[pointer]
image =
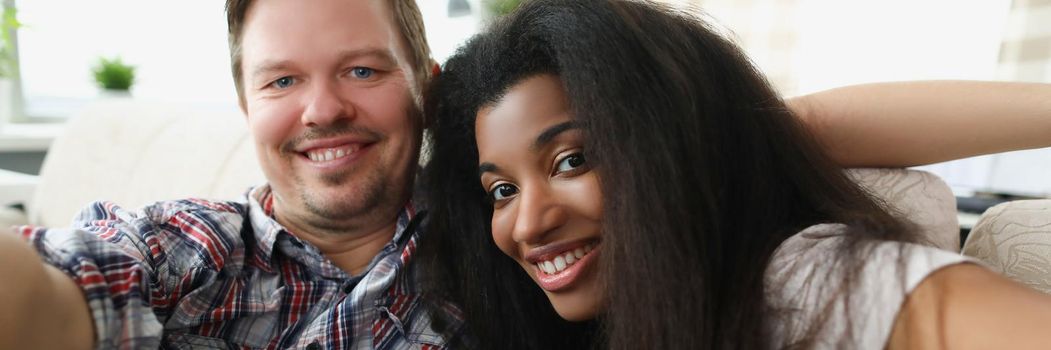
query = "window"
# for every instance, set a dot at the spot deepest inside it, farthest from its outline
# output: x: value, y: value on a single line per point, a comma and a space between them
x: 179, y: 50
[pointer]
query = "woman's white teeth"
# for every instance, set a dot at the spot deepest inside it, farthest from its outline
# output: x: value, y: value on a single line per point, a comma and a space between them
x: 548, y: 267
x: 560, y: 263
x: 564, y: 261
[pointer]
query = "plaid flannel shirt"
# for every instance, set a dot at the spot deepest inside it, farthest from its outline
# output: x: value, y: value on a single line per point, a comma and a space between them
x: 202, y: 274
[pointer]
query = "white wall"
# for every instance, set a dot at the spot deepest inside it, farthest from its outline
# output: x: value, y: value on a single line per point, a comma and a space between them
x: 854, y: 41
x: 181, y: 52
x: 179, y: 49
x: 821, y: 44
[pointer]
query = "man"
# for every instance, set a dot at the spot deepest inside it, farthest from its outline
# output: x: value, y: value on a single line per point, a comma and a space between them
x: 317, y: 257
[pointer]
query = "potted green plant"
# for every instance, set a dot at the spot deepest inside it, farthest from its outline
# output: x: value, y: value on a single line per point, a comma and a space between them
x: 113, y: 75
x: 499, y: 8
x: 8, y: 24
x: 8, y: 61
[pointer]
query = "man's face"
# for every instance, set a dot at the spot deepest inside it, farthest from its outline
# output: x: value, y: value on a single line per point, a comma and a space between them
x: 328, y: 102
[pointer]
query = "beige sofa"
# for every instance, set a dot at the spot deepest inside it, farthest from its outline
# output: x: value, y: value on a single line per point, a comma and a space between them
x: 134, y: 153
x: 1014, y: 239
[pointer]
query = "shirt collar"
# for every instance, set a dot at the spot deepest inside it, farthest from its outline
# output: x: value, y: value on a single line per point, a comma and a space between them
x: 264, y: 227
x: 268, y: 231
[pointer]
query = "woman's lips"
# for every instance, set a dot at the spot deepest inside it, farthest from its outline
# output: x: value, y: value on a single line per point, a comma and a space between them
x: 564, y: 269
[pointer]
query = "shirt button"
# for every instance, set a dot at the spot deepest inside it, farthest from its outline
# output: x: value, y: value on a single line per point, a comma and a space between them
x: 314, y: 346
x: 348, y: 288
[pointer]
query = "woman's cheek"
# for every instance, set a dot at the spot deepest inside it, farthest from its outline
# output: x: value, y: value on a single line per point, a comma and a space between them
x: 503, y: 222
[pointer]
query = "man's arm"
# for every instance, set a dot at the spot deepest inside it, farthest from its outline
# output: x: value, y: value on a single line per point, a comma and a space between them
x: 42, y: 308
x: 913, y: 123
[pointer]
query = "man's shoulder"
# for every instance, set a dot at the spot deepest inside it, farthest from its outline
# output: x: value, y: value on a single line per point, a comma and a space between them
x: 204, y: 229
x: 198, y: 207
x: 162, y: 212
x: 199, y: 221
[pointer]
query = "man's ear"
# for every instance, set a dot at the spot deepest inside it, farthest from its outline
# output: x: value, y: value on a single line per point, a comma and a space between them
x: 436, y: 69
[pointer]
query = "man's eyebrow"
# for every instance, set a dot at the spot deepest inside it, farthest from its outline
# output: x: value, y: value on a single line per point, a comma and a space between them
x: 270, y: 66
x: 377, y: 53
x: 347, y: 55
x: 486, y: 168
x: 552, y: 132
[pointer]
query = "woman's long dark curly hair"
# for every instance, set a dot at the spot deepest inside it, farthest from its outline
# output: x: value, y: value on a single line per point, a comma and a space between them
x: 704, y: 173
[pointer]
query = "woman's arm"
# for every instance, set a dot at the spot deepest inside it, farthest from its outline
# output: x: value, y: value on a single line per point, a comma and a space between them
x: 968, y: 307
x: 42, y: 308
x: 912, y: 123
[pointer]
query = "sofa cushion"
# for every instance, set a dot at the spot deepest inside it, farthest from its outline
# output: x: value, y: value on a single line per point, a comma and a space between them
x: 134, y: 153
x: 919, y: 197
x: 1014, y: 239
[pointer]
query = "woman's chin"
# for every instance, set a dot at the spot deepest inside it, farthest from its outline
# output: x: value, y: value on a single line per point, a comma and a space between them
x: 577, y: 304
x: 577, y: 313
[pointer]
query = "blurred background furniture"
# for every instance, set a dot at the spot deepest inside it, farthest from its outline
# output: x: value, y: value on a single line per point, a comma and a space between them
x: 134, y: 153
x: 1014, y: 239
x: 920, y: 197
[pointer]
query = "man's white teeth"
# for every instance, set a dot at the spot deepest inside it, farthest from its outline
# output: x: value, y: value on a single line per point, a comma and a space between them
x: 330, y: 153
x: 564, y: 261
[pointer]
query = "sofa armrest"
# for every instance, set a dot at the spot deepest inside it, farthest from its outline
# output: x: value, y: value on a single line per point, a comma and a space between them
x: 918, y: 196
x: 1014, y: 239
x: 133, y: 153
x: 10, y: 216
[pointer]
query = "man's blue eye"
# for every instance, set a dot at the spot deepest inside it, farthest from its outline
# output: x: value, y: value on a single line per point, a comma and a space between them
x: 362, y: 72
x: 283, y: 82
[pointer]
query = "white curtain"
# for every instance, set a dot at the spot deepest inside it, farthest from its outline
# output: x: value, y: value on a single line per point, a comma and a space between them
x: 811, y: 45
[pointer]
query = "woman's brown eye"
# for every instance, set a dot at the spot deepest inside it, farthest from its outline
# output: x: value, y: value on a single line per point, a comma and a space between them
x: 570, y: 162
x: 503, y: 191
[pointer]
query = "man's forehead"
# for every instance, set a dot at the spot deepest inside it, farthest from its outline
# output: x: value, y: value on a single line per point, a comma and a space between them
x: 278, y: 30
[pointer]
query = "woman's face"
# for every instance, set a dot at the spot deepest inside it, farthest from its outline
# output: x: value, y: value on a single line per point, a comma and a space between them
x: 547, y: 206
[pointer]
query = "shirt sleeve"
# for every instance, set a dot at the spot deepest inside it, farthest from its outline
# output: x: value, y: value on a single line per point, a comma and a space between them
x: 806, y: 284
x: 119, y: 260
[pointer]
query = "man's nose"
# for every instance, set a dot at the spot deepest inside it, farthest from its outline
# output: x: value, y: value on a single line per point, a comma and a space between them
x: 325, y: 104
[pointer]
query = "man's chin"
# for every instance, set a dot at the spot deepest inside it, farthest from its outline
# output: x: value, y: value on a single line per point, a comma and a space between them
x: 347, y: 200
x: 335, y: 179
x: 340, y: 207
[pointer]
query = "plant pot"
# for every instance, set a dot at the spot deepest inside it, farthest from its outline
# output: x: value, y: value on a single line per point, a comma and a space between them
x: 114, y: 94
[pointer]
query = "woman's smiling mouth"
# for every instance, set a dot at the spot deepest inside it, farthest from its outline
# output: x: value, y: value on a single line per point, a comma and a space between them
x: 558, y: 270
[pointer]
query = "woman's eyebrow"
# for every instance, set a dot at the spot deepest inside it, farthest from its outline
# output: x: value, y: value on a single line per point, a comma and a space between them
x: 545, y: 137
x: 486, y: 167
x: 549, y: 134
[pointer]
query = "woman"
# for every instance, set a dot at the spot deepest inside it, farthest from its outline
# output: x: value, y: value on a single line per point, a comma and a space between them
x: 637, y: 168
